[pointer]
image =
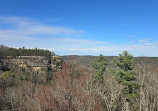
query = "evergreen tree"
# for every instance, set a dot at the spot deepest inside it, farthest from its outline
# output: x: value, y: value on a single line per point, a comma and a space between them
x: 99, y: 65
x: 13, y: 52
x: 126, y: 74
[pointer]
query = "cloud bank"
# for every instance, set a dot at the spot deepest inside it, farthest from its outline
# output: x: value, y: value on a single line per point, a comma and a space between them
x: 20, y: 31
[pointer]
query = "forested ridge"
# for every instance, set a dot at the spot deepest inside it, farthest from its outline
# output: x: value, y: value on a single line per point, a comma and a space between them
x: 13, y: 52
x: 120, y: 83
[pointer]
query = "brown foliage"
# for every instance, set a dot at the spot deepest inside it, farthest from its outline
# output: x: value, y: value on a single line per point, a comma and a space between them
x: 148, y: 79
x: 73, y: 85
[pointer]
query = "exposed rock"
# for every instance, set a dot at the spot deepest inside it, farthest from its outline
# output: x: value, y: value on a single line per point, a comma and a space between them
x: 36, y: 63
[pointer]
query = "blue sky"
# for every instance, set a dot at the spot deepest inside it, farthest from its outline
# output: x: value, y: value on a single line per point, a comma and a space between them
x: 81, y: 27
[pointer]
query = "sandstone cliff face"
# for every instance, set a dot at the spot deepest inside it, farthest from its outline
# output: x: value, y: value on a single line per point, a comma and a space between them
x: 38, y: 64
x: 36, y: 69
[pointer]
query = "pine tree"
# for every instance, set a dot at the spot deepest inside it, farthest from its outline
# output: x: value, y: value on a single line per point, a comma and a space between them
x: 126, y: 75
x: 99, y: 65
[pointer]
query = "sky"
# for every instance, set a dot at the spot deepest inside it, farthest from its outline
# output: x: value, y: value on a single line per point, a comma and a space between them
x: 81, y: 27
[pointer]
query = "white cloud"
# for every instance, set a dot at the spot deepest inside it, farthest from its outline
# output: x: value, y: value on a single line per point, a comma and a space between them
x: 136, y: 50
x: 132, y: 36
x: 148, y: 44
x: 144, y: 40
x: 69, y: 46
x: 26, y: 27
x: 19, y: 32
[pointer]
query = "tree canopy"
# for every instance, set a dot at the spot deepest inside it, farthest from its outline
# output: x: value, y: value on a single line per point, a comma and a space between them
x: 126, y: 74
x: 12, y: 52
x: 99, y: 65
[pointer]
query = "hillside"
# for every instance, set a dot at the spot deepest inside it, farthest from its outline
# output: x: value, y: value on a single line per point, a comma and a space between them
x: 38, y: 80
x: 41, y: 63
x: 87, y: 60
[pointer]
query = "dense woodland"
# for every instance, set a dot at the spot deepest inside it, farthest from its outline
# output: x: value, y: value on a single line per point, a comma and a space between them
x: 101, y: 84
x: 13, y: 52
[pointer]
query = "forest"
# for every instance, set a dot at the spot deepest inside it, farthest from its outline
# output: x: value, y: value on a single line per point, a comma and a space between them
x: 13, y: 52
x: 78, y: 55
x: 121, y: 83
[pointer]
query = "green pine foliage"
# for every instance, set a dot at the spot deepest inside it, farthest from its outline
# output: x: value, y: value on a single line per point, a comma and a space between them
x: 13, y: 52
x: 126, y: 74
x: 5, y: 75
x: 99, y: 65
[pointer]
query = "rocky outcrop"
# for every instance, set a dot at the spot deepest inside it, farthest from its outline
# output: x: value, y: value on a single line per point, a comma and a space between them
x: 34, y: 63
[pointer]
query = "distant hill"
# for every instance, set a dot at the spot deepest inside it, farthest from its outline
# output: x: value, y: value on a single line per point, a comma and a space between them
x: 87, y: 60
